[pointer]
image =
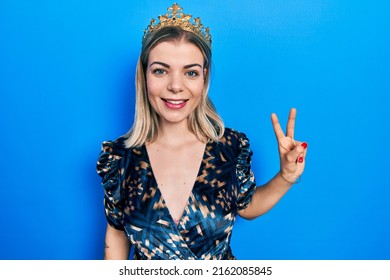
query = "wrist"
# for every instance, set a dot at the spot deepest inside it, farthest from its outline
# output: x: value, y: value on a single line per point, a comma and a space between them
x: 287, y: 179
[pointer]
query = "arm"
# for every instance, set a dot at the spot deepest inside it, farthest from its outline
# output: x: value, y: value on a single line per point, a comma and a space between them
x: 292, y: 162
x: 265, y: 197
x: 117, y: 246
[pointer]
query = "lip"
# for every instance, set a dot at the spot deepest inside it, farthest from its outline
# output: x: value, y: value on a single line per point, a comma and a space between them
x: 175, y: 103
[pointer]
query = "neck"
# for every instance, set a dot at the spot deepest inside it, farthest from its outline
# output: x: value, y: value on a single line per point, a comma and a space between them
x: 174, y: 133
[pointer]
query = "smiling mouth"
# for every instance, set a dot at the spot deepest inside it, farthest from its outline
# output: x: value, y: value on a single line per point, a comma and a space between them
x: 175, y: 103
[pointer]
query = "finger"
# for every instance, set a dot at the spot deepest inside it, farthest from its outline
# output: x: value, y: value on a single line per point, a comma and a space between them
x: 304, y: 155
x: 277, y: 128
x: 291, y: 123
x: 298, y: 152
x: 302, y: 158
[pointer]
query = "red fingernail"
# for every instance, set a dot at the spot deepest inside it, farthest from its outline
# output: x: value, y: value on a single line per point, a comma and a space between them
x: 300, y: 159
x: 304, y: 145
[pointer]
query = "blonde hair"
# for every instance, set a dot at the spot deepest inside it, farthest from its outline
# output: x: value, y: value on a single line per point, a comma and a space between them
x: 204, y: 121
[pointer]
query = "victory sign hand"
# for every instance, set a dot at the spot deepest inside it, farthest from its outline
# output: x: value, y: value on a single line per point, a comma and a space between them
x: 292, y: 153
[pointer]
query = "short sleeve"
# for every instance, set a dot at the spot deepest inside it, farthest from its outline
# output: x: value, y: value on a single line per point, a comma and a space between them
x: 108, y: 168
x: 245, y: 176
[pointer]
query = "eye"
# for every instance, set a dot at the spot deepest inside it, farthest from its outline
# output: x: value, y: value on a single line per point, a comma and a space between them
x: 159, y: 71
x: 192, y: 74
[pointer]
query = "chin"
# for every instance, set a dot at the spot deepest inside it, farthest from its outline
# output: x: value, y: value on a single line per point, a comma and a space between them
x: 175, y: 120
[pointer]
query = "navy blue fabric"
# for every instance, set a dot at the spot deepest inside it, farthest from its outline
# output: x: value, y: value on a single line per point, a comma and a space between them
x: 133, y: 201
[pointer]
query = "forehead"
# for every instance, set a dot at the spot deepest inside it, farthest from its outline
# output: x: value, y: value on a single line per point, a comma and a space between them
x: 176, y: 53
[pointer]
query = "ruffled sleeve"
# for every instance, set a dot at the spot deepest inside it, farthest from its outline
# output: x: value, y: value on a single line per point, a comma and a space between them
x: 245, y: 176
x: 108, y: 169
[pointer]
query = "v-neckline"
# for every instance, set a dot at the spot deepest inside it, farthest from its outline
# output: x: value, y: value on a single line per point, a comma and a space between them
x: 191, y: 193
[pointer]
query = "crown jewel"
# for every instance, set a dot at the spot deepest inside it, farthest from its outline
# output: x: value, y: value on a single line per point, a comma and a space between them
x: 176, y: 17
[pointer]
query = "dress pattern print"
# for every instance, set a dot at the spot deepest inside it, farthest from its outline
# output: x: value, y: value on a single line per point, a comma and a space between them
x: 133, y: 201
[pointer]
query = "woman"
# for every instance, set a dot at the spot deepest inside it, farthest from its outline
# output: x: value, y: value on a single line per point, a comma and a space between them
x: 176, y: 181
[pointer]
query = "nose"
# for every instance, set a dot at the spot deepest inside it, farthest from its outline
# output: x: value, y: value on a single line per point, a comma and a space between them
x: 175, y: 84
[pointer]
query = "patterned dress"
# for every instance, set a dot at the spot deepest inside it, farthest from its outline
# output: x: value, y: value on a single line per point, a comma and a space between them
x: 133, y: 201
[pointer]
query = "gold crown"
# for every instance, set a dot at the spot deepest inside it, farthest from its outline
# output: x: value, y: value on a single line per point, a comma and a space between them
x: 176, y: 17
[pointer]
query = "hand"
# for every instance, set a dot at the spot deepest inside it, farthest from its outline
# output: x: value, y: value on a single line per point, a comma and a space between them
x: 292, y: 153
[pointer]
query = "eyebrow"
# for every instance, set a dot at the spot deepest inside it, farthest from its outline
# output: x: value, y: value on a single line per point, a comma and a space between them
x: 167, y: 65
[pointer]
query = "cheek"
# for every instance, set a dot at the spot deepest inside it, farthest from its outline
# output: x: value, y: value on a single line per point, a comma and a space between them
x: 199, y: 90
x: 152, y: 87
x: 151, y: 93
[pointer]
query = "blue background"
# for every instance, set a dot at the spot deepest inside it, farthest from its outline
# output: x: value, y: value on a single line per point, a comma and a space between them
x: 67, y: 84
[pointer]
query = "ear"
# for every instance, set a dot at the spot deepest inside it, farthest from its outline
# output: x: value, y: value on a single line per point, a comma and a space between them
x: 204, y: 73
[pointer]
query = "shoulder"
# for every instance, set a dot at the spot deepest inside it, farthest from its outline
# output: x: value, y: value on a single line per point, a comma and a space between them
x: 231, y: 133
x: 116, y: 147
x: 234, y: 138
x: 234, y: 142
x: 110, y: 155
